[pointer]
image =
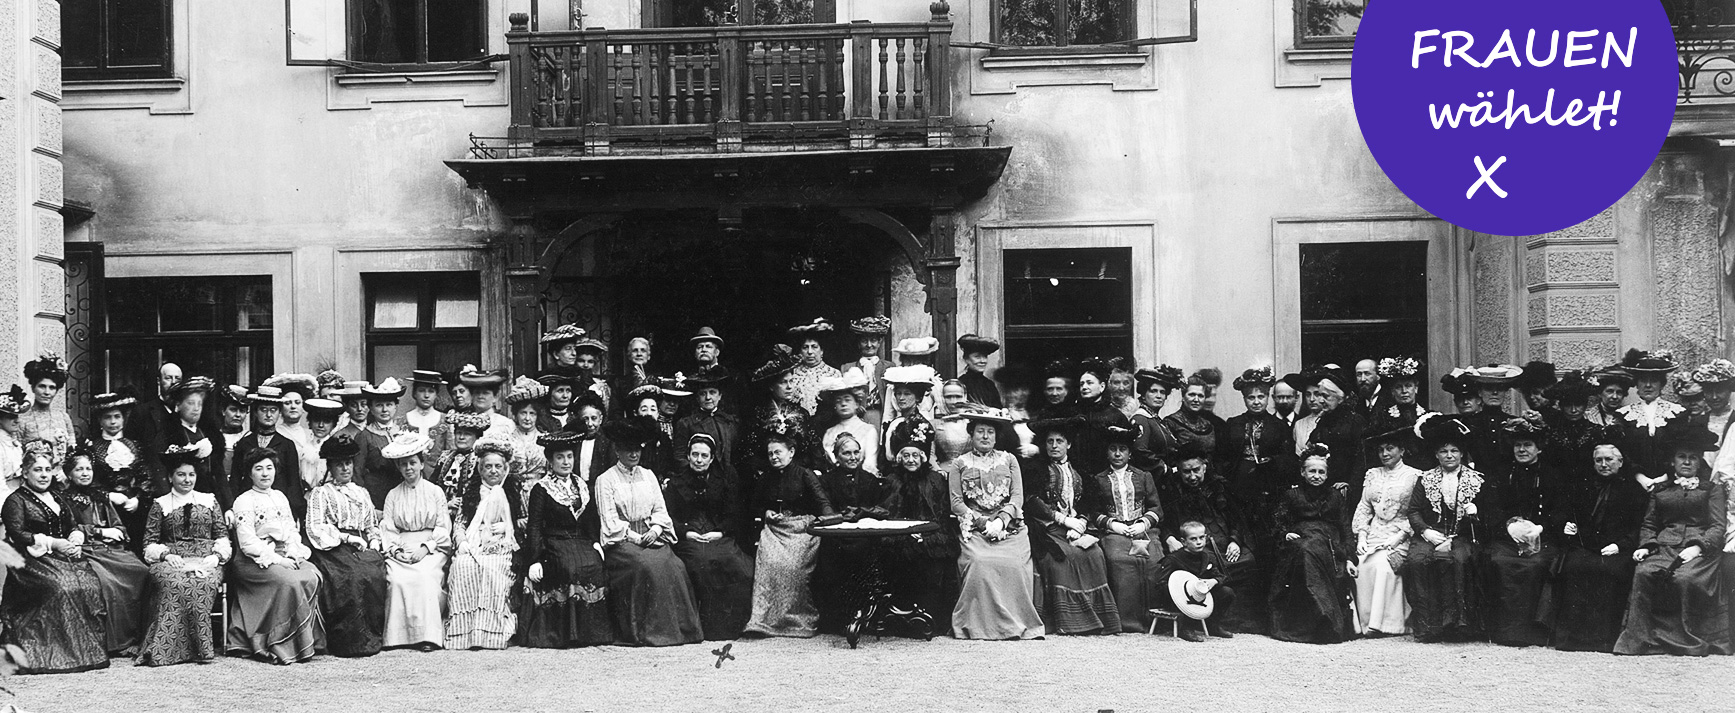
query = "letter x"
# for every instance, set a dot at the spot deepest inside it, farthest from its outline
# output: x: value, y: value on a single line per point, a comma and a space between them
x: 1487, y: 177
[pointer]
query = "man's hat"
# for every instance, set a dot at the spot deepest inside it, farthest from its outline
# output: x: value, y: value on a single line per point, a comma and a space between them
x: 427, y: 377
x: 707, y: 334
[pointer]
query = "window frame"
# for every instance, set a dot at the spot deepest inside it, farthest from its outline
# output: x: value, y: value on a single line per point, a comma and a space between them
x: 425, y: 337
x: 1015, y: 331
x: 103, y: 72
x: 1062, y: 15
x: 352, y: 40
x: 228, y: 336
x: 1306, y: 41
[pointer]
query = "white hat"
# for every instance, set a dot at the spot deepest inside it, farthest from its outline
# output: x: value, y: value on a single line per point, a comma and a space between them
x: 917, y: 346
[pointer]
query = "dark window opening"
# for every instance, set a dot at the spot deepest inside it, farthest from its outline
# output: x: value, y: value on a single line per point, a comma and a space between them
x: 714, y: 13
x: 1363, y: 301
x: 1063, y: 23
x: 1327, y: 23
x: 422, y: 320
x: 1068, y: 303
x: 219, y: 327
x: 115, y: 39
x: 417, y: 32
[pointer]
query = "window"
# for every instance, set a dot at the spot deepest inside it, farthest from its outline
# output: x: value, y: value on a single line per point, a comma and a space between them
x: 423, y: 320
x: 114, y: 39
x: 713, y: 13
x: 1072, y: 303
x: 214, y: 326
x: 1363, y: 301
x: 1062, y: 23
x: 1327, y: 23
x: 417, y: 32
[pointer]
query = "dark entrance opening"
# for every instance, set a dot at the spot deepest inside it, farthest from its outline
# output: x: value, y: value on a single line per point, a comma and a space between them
x: 1364, y: 301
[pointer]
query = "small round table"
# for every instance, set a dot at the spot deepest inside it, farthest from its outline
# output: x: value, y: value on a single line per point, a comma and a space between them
x: 874, y: 608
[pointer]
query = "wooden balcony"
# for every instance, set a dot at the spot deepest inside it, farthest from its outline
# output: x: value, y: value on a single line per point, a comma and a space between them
x: 732, y: 89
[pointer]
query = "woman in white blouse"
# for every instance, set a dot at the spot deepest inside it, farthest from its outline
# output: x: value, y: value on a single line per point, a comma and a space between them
x: 650, y: 598
x: 481, y: 580
x: 273, y: 590
x: 344, y: 530
x: 416, y: 536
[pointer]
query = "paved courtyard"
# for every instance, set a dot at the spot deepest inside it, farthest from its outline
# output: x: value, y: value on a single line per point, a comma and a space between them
x: 1120, y: 673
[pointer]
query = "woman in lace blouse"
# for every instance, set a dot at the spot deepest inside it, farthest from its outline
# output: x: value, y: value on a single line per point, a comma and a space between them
x: 997, y: 577
x: 1382, y: 534
x: 273, y: 590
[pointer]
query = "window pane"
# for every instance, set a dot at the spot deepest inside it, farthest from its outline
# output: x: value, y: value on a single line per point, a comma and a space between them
x: 136, y: 36
x: 189, y: 306
x: 1330, y: 18
x: 386, y: 31
x: 455, y: 30
x: 1028, y: 22
x: 457, y: 302
x: 702, y: 13
x: 1038, y: 352
x: 395, y: 360
x: 1363, y: 301
x: 135, y: 367
x: 253, y: 305
x: 131, y: 305
x: 449, y: 356
x: 81, y: 33
x: 782, y: 12
x: 1096, y: 22
x: 1084, y: 286
x: 395, y: 305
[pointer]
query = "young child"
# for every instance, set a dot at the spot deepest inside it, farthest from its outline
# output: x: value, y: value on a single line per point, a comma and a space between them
x: 1196, y: 559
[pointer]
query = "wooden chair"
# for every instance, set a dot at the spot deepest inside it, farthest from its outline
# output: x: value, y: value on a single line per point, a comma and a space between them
x: 1174, y: 619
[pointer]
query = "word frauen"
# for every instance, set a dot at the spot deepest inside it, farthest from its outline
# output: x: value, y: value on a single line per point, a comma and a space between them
x: 1457, y: 43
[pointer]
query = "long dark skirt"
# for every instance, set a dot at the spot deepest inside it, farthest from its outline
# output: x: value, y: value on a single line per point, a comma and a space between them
x: 1134, y: 579
x: 122, y: 576
x: 181, y: 601
x: 1444, y: 591
x: 1590, y: 598
x: 274, y: 611
x: 1309, y: 600
x: 569, y: 607
x: 1516, y: 585
x: 53, y: 610
x: 838, y: 563
x: 722, y: 577
x: 928, y: 582
x: 650, y: 598
x: 353, y: 599
x: 1680, y: 613
x: 1073, y: 585
x: 1244, y: 610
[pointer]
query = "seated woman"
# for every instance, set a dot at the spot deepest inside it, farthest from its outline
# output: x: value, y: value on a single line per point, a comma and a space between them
x: 1310, y: 595
x: 415, y: 535
x: 704, y: 505
x: 1597, y: 523
x: 1069, y: 561
x: 788, y: 499
x: 649, y: 596
x: 273, y: 591
x: 118, y: 570
x: 344, y: 530
x: 486, y: 538
x: 1381, y: 524
x: 565, y: 594
x: 1676, y: 606
x: 186, y: 544
x: 1192, y: 492
x: 1518, y: 559
x: 1126, y: 508
x: 122, y: 473
x: 1447, y: 510
x: 840, y: 400
x: 996, y: 597
x: 855, y: 493
x: 922, y: 571
x: 52, y: 607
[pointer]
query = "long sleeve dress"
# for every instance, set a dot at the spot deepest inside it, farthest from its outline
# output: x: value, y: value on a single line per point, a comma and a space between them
x: 855, y: 493
x: 1211, y: 502
x: 485, y: 539
x: 1518, y: 575
x: 1677, y: 607
x: 1444, y: 586
x: 52, y: 607
x: 1129, y: 496
x: 191, y: 528
x: 354, y: 596
x: 922, y: 571
x: 273, y: 591
x: 782, y: 594
x: 1382, y: 533
x: 996, y: 589
x: 120, y: 572
x: 1590, y: 588
x: 1310, y: 592
x: 569, y: 607
x: 121, y: 468
x: 415, y: 518
x: 708, y: 503
x: 1074, y: 587
x: 650, y: 598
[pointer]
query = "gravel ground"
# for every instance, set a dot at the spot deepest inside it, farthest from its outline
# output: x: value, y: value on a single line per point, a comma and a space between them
x: 1120, y: 673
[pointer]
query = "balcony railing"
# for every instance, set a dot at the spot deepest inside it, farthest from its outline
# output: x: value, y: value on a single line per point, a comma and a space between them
x: 733, y: 88
x: 1705, y: 40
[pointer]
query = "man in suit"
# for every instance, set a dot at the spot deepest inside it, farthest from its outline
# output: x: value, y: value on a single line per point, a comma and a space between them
x: 148, y: 416
x: 1371, y: 396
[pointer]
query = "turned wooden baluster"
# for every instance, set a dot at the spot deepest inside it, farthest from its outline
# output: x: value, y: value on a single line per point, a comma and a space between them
x: 882, y: 88
x: 919, y: 75
x: 900, y: 73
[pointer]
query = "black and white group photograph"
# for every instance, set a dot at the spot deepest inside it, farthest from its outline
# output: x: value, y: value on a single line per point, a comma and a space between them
x: 859, y: 355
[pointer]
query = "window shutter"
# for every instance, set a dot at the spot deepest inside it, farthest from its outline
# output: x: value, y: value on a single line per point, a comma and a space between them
x: 315, y: 31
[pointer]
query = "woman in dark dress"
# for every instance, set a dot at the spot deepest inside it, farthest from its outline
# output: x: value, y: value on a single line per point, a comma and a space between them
x: 1155, y: 443
x: 123, y: 474
x: 1651, y: 425
x: 1091, y: 451
x: 52, y: 607
x: 565, y: 597
x: 187, y: 428
x: 1519, y: 560
x: 187, y: 544
x: 1126, y: 509
x: 1192, y: 425
x: 121, y: 573
x: 922, y: 571
x: 1311, y: 583
x: 788, y: 500
x: 1448, y: 507
x: 1071, y: 571
x: 855, y: 493
x: 650, y: 598
x: 1597, y: 521
x: 705, y: 505
x: 343, y: 530
x: 1676, y: 606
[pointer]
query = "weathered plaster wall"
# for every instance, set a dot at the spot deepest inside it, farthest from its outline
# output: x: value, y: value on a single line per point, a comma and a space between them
x: 32, y: 294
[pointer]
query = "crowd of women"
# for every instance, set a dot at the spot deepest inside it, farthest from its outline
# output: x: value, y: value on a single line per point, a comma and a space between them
x: 312, y: 514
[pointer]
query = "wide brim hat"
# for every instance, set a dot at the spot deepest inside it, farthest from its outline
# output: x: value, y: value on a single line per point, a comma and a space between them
x: 526, y: 390
x: 560, y: 441
x: 177, y: 455
x: 1182, y: 584
x: 497, y: 446
x: 1572, y: 387
x: 1334, y: 377
x: 331, y: 378
x: 592, y: 344
x: 706, y: 334
x: 1119, y: 435
x: 983, y: 414
x: 915, y: 433
x: 643, y: 391
x: 1169, y: 377
x: 323, y: 408
x: 266, y: 395
x: 876, y: 326
x: 1259, y: 376
x: 1696, y: 440
x: 47, y: 366
x: 563, y: 376
x: 676, y: 386
x: 634, y: 432
x: 780, y: 362
x: 191, y: 385
x: 14, y: 401
x: 1715, y: 374
x: 1067, y: 426
x: 473, y: 378
x: 851, y: 380
x: 976, y: 344
x: 1495, y: 376
x: 118, y: 399
x: 406, y: 444
x: 1642, y: 362
x: 1536, y: 375
x: 388, y: 389
x: 1399, y: 369
x: 473, y: 422
x: 919, y: 376
x: 427, y: 377
x: 820, y: 328
x: 1016, y: 376
x: 1526, y: 429
x: 1402, y: 435
x: 713, y: 376
x: 917, y: 346
x: 1615, y: 375
x: 1437, y: 429
x: 233, y: 394
x: 303, y: 384
x: 1295, y: 380
x: 1458, y: 382
x: 352, y: 389
x: 339, y: 448
x: 560, y: 335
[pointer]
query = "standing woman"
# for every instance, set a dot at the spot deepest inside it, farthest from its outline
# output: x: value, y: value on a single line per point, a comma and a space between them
x: 46, y: 376
x: 996, y: 576
x: 1091, y: 451
x: 1057, y: 390
x: 705, y: 506
x: 565, y: 595
x: 1382, y: 535
x: 1069, y: 563
x: 1310, y: 594
x: 646, y: 403
x: 1448, y: 508
x: 1677, y: 606
x: 776, y: 414
x: 52, y: 607
x: 525, y: 402
x: 788, y: 497
x: 651, y: 600
x: 186, y: 429
x: 186, y: 544
x: 416, y: 536
x: 1155, y: 443
x: 344, y: 530
x: 106, y: 546
x: 11, y: 448
x: 1192, y: 424
x: 273, y: 590
x: 485, y: 536
x: 1126, y: 509
x: 808, y: 342
x: 951, y: 422
x: 842, y: 400
x: 908, y: 387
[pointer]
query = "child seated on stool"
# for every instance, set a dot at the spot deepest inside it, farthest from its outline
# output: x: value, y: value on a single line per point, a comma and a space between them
x: 1208, y: 567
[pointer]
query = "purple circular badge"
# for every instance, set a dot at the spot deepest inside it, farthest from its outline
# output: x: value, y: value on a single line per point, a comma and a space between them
x: 1515, y: 118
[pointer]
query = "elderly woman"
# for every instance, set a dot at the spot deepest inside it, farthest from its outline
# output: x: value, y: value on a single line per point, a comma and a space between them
x: 704, y: 499
x: 808, y: 342
x: 788, y: 499
x: 416, y: 537
x: 1075, y: 593
x: 344, y: 530
x: 1448, y: 508
x: 1310, y: 597
x: 186, y: 544
x: 1598, y: 525
x: 485, y: 537
x: 1125, y: 509
x: 46, y: 376
x: 650, y: 598
x: 53, y: 606
x: 638, y: 371
x: 1252, y: 451
x: 1057, y: 390
x: 1518, y: 560
x: 106, y: 546
x: 273, y: 590
x: 525, y: 402
x: 921, y: 571
x: 1677, y: 606
x: 996, y: 587
x: 855, y: 493
x: 1381, y: 524
x: 565, y: 594
x: 842, y: 399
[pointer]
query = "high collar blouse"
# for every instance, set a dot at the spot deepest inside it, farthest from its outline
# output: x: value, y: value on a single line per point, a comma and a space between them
x: 629, y: 500
x: 336, y: 511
